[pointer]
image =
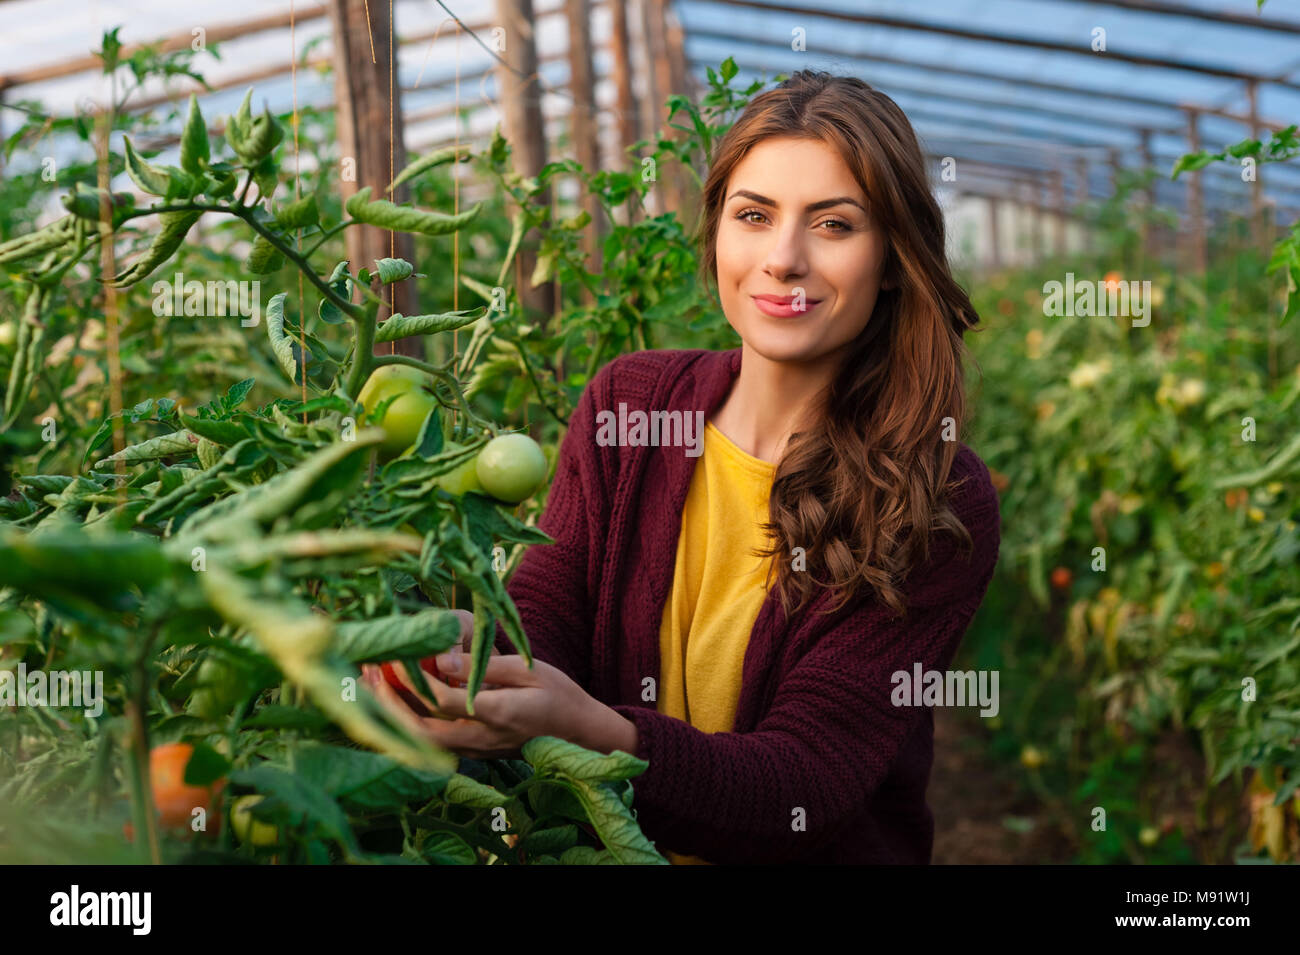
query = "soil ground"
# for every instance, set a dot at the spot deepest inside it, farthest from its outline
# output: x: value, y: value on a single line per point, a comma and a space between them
x: 973, y: 804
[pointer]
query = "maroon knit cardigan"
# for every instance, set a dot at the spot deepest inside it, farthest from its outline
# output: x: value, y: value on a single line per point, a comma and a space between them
x: 820, y: 766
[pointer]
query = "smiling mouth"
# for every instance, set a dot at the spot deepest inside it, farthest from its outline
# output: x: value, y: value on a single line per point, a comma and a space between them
x: 784, y: 307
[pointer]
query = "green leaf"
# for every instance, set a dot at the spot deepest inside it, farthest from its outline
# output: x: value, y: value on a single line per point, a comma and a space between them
x: 464, y: 791
x: 298, y: 214
x: 403, y: 326
x: 447, y: 848
x: 304, y: 804
x: 281, y: 344
x: 384, y: 214
x: 71, y: 560
x: 387, y: 638
x: 205, y: 766
x: 587, y: 855
x: 425, y: 163
x: 428, y: 443
x: 165, y: 445
x: 393, y: 270
x: 238, y: 124
x: 264, y: 257
x: 224, y: 433
x: 550, y: 841
x: 616, y: 826
x: 551, y: 754
x: 340, y: 281
x: 364, y: 781
x: 174, y: 226
x: 154, y: 180
x: 275, y: 717
x: 323, y: 480
x: 1194, y: 161
x: 194, y: 140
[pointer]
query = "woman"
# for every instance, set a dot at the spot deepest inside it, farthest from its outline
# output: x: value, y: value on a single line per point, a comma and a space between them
x: 736, y: 618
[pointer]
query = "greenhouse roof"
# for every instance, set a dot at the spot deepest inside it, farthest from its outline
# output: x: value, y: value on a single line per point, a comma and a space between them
x: 1020, y: 89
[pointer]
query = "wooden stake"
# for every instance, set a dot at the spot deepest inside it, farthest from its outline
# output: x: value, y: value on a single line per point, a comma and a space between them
x: 370, y: 134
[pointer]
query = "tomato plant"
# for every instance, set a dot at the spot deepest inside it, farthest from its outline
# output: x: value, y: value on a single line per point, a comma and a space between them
x: 230, y: 565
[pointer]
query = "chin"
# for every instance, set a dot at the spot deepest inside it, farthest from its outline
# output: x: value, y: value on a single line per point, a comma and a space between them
x: 785, y: 344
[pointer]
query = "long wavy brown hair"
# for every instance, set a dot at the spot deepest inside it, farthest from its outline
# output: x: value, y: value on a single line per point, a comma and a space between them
x: 865, y: 520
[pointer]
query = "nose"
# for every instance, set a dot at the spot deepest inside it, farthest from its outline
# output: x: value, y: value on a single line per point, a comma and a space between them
x: 785, y: 257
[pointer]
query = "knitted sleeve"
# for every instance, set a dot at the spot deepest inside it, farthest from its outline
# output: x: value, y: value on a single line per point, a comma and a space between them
x: 550, y: 585
x: 830, y: 736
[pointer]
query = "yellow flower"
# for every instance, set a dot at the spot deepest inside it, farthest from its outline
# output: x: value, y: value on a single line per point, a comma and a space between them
x: 1130, y: 503
x: 1273, y: 487
x: 1089, y: 373
x: 1045, y: 410
x: 1191, y: 391
x: 1034, y: 343
x: 1256, y: 514
x: 1157, y: 296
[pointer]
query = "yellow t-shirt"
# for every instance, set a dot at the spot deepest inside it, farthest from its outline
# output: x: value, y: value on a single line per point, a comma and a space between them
x: 717, y: 591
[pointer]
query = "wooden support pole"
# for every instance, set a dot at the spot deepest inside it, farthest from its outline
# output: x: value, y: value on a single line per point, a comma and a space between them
x: 659, y: 81
x: 1030, y: 203
x: 628, y: 110
x: 370, y: 140
x: 680, y: 74
x: 995, y: 235
x: 1058, y: 203
x: 584, y: 129
x: 1262, y: 239
x: 1196, y: 199
x: 1116, y: 168
x: 521, y: 95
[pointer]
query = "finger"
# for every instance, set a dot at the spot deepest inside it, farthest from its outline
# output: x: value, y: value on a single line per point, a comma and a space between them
x: 501, y: 670
x: 468, y: 737
x: 398, y: 673
x: 399, y: 708
x: 466, y: 627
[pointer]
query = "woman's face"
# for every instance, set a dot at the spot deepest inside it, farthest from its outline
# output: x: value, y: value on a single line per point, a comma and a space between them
x: 771, y: 243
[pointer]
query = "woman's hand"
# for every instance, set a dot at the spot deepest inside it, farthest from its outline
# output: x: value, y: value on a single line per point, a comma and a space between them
x: 542, y: 701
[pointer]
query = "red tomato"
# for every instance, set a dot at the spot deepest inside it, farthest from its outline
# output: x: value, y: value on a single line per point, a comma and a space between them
x: 429, y: 666
x: 174, y: 800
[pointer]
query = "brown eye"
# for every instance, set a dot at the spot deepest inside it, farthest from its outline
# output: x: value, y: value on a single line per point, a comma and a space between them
x: 743, y: 216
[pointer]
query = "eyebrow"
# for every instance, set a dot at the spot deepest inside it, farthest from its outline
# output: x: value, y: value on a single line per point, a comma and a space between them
x: 811, y: 207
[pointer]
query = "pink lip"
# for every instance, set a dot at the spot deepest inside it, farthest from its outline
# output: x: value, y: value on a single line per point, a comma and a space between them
x: 782, y: 306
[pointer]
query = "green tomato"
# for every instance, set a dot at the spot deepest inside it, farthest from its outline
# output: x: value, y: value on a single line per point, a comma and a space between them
x: 463, y: 479
x: 405, y: 416
x: 511, y: 467
x: 7, y: 334
x: 219, y: 688
x: 247, y: 828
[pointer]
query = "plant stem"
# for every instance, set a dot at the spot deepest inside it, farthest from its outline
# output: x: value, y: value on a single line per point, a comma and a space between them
x: 329, y: 234
x: 353, y: 311
x: 441, y: 374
